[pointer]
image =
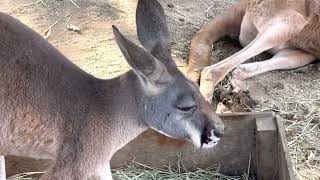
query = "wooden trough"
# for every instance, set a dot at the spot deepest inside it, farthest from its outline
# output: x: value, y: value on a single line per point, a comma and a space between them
x: 257, y: 138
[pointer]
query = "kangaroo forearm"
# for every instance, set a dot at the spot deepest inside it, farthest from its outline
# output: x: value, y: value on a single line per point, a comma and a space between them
x: 201, y: 46
x: 228, y: 23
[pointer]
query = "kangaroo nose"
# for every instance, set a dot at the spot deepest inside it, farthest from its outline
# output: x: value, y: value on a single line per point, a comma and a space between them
x: 219, y: 131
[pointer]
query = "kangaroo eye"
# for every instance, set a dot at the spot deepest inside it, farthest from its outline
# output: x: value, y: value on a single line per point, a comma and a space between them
x: 187, y: 108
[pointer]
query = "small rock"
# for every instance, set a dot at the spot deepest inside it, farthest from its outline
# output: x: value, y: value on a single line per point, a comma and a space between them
x: 170, y: 5
x: 72, y: 27
x: 181, y: 19
x: 266, y: 101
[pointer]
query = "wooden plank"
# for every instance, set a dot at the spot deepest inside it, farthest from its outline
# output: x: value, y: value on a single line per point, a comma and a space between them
x: 16, y: 165
x: 267, y: 148
x: 232, y: 153
x: 285, y: 165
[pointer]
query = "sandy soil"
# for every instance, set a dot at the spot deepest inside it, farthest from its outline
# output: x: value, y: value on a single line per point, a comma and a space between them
x: 293, y: 95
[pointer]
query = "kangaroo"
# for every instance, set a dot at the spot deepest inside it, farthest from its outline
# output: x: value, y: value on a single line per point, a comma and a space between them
x: 288, y: 29
x: 51, y: 109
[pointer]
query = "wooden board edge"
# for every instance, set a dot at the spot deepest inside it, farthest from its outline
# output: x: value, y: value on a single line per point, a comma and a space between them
x: 284, y: 147
x: 253, y: 114
x: 266, y: 148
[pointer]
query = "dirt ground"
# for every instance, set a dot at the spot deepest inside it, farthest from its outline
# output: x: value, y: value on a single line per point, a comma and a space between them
x: 293, y: 95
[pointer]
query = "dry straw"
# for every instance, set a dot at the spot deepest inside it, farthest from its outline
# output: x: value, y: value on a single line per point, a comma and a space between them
x: 139, y: 171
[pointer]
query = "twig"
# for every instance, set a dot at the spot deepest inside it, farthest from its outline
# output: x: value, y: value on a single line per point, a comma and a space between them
x: 74, y: 4
x: 125, y: 175
x: 306, y: 125
x: 207, y: 10
x: 65, y: 25
x: 48, y: 31
x: 248, y: 172
x: 43, y: 3
x: 311, y: 129
x: 23, y: 175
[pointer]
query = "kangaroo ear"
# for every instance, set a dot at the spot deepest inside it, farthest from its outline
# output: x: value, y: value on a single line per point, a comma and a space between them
x: 152, y: 73
x: 152, y: 30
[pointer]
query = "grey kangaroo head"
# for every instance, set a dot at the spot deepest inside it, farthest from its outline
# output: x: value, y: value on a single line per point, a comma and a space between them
x: 172, y: 104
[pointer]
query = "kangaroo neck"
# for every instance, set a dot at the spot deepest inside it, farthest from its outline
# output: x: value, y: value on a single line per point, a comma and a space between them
x: 126, y: 109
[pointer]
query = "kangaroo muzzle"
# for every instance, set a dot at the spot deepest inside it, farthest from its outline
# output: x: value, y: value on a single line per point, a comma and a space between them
x: 211, y: 136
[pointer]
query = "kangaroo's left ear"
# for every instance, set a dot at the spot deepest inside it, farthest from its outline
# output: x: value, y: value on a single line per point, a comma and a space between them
x: 152, y: 30
x: 152, y: 73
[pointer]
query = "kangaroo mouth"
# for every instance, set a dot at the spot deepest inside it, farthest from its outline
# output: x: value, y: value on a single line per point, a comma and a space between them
x: 208, y: 139
x: 205, y: 139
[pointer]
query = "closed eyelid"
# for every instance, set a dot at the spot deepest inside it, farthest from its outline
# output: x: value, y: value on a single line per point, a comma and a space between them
x: 184, y: 101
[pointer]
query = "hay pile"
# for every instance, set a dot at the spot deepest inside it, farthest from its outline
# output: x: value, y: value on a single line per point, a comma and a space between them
x: 138, y: 171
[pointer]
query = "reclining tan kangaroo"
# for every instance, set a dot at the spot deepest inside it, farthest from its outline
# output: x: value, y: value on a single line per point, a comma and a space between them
x: 289, y: 29
x: 50, y: 108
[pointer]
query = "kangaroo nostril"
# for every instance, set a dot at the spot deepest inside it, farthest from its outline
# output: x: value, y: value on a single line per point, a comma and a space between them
x: 219, y: 131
